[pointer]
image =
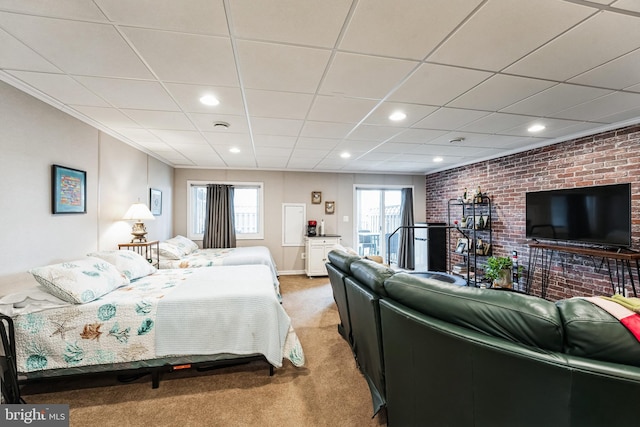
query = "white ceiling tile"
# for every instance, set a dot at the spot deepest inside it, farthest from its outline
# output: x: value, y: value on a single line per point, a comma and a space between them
x: 496, y: 122
x: 623, y: 116
x: 141, y: 136
x: 403, y: 28
x: 499, y: 92
x: 364, y: 76
x: 109, y: 117
x: 282, y: 105
x: 317, y: 143
x: 274, y: 141
x: 308, y: 153
x: 503, y: 31
x: 136, y: 94
x: 17, y: 56
x: 229, y: 139
x: 273, y: 152
x: 188, y: 97
x: 193, y: 16
x: 286, y: 127
x: 339, y: 109
x: 552, y: 126
x: 620, y: 73
x: 395, y: 148
x: 418, y: 136
x: 631, y: 5
x: 76, y: 47
x: 373, y: 133
x: 557, y: 98
x: 290, y: 21
x: 206, y: 123
x: 300, y: 163
x: 69, y: 9
x: 273, y: 162
x: 244, y: 161
x: 178, y: 137
x: 60, y: 87
x: 450, y: 118
x: 614, y: 103
x: 165, y: 120
x: 584, y: 47
x: 414, y: 112
x: 435, y: 84
x: 325, y: 129
x: 280, y: 67
x: 186, y: 58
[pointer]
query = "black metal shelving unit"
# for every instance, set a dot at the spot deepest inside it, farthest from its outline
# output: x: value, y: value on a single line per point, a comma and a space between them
x: 472, y: 221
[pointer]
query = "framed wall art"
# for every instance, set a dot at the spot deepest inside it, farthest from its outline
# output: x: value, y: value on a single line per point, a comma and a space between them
x: 329, y: 207
x: 316, y: 197
x: 155, y: 201
x: 68, y: 190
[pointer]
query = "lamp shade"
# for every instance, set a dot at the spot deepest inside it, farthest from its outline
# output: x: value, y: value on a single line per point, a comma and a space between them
x: 137, y: 212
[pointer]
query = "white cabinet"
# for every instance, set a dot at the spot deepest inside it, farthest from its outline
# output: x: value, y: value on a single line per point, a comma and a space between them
x: 317, y: 249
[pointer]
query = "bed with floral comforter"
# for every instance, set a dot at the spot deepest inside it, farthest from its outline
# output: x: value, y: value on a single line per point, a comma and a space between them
x: 223, y: 310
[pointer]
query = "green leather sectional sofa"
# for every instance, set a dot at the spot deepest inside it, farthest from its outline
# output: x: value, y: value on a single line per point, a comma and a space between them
x: 435, y: 353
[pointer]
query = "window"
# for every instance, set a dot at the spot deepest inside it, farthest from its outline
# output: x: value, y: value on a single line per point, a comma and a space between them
x: 247, y: 202
x: 377, y: 216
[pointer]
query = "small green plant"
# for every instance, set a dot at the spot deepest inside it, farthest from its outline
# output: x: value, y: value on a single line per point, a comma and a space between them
x: 495, y: 265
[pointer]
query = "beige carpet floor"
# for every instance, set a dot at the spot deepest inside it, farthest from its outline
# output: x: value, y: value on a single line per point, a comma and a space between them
x: 328, y: 391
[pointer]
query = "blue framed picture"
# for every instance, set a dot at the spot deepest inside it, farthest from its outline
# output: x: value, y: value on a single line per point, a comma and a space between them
x: 68, y: 190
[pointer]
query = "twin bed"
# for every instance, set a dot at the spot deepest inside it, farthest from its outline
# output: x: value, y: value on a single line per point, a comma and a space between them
x: 113, y: 311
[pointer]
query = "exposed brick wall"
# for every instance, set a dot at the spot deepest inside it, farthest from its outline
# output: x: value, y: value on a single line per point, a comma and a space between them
x: 606, y: 158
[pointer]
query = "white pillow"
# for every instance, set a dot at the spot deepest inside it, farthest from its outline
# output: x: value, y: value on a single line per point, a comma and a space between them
x: 130, y: 263
x: 169, y: 251
x: 80, y: 281
x: 185, y: 245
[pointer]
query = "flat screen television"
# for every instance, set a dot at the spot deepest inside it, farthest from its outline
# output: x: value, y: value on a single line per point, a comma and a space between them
x: 599, y: 215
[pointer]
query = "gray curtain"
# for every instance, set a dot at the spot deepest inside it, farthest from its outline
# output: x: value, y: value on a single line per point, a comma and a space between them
x: 406, y: 249
x: 219, y: 227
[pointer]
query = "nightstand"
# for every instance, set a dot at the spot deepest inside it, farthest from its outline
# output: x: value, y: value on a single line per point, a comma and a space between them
x: 145, y: 249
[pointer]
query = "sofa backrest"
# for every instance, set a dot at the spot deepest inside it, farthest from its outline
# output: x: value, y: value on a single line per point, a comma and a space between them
x: 512, y: 316
x: 371, y: 274
x: 593, y: 333
x: 342, y: 260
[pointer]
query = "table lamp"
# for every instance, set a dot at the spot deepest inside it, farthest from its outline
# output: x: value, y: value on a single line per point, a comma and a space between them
x: 138, y: 212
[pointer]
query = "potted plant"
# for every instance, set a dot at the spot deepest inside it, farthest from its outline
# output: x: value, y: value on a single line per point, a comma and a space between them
x: 498, y: 270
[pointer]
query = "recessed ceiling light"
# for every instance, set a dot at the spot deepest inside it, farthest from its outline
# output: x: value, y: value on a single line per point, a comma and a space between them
x: 536, y: 128
x: 345, y: 155
x: 438, y: 159
x: 209, y: 100
x: 234, y: 150
x: 397, y: 116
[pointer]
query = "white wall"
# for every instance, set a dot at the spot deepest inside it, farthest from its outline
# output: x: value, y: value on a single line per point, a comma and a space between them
x: 296, y: 187
x: 33, y: 136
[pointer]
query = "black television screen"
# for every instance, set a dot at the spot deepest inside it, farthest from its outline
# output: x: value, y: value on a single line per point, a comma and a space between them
x: 600, y: 215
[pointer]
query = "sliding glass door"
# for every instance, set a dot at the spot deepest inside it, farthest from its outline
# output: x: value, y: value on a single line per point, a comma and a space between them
x: 377, y: 216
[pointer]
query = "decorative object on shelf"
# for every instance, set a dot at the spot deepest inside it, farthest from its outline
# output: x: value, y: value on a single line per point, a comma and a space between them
x: 478, y: 196
x: 138, y: 212
x: 329, y: 207
x: 462, y: 247
x: 499, y: 271
x: 482, y: 247
x: 68, y: 190
x: 316, y: 197
x: 155, y: 201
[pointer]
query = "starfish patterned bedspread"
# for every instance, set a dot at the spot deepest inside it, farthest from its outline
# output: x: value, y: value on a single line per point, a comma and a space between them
x: 213, y: 310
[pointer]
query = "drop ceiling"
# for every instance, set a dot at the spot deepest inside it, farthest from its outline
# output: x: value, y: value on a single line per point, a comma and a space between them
x: 301, y: 83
